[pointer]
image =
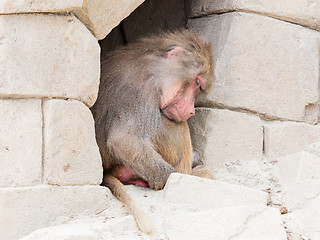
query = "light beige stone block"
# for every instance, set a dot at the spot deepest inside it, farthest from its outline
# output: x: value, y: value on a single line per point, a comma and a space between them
x: 263, y: 65
x: 48, y: 56
x: 111, y: 230
x: 200, y: 194
x: 298, y: 167
x: 100, y: 16
x: 71, y: 154
x: 33, y: 6
x: 283, y: 138
x: 303, y: 201
x: 222, y: 135
x: 25, y: 209
x: 20, y: 142
x: 304, y: 12
x: 241, y: 223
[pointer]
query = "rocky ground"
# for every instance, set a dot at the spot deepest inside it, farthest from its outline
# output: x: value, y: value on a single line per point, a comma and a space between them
x: 270, y: 199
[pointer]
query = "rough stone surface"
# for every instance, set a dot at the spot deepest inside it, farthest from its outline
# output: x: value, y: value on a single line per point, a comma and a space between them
x: 217, y: 194
x: 256, y: 173
x: 20, y: 142
x: 101, y: 16
x: 303, y: 201
x: 193, y: 210
x: 32, y: 6
x: 85, y: 231
x: 298, y: 167
x: 283, y: 138
x: 304, y: 12
x: 241, y: 223
x: 222, y: 135
x: 48, y: 56
x: 71, y: 154
x: 262, y: 64
x: 26, y: 209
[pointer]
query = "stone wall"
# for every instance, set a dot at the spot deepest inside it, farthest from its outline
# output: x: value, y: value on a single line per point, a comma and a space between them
x: 265, y: 66
x: 49, y: 76
x: 262, y: 116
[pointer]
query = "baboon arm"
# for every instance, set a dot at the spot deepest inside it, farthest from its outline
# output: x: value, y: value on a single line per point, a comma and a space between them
x: 119, y: 191
x: 141, y: 156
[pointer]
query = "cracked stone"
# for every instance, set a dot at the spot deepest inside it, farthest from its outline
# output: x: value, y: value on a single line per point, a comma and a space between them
x: 303, y: 201
x: 238, y: 223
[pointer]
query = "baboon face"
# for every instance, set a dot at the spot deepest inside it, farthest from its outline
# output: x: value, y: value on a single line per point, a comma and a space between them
x: 178, y: 102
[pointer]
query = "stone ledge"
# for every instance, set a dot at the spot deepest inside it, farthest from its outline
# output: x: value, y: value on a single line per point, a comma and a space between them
x: 303, y: 12
x: 100, y: 16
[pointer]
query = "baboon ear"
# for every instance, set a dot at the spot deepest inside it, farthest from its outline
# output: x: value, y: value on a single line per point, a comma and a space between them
x: 175, y: 52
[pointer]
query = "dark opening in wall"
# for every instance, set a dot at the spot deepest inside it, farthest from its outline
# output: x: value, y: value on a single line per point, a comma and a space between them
x: 150, y: 17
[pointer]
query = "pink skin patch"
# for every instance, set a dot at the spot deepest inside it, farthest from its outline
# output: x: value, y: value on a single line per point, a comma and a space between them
x: 178, y: 105
x: 128, y: 176
x: 174, y: 52
x: 139, y: 182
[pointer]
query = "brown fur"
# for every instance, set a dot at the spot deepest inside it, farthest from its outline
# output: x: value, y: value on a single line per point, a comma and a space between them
x: 131, y: 131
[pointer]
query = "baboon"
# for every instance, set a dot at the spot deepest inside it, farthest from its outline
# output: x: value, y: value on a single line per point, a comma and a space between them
x: 147, y: 92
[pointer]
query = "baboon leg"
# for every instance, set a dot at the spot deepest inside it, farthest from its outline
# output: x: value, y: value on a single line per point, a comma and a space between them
x: 120, y: 192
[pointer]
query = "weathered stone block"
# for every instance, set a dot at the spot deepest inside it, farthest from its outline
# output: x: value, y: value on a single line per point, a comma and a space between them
x: 48, y: 56
x: 303, y: 201
x: 190, y: 191
x: 89, y: 231
x: 261, y: 64
x: 283, y: 138
x: 33, y: 6
x: 20, y: 142
x: 100, y: 16
x: 298, y: 167
x: 304, y: 12
x: 222, y: 135
x: 71, y: 154
x: 25, y: 209
x: 241, y: 223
